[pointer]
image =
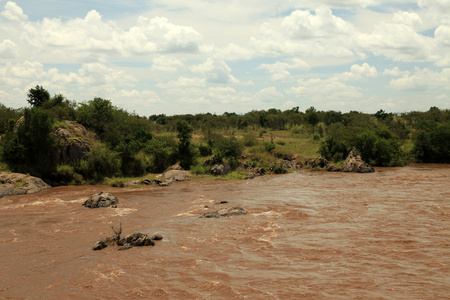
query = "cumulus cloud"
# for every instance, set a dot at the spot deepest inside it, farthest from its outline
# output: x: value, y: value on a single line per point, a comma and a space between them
x: 269, y: 95
x: 13, y: 12
x: 215, y: 71
x: 358, y: 72
x: 8, y: 49
x: 398, y: 42
x: 306, y: 34
x: 302, y: 24
x: 159, y: 35
x: 422, y: 79
x: 279, y: 70
x: 166, y: 64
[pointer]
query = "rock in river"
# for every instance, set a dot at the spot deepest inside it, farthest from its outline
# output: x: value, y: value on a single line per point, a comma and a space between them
x: 101, y: 200
x: 20, y: 184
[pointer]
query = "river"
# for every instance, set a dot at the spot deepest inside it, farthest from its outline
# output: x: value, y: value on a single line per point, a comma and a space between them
x: 307, y: 235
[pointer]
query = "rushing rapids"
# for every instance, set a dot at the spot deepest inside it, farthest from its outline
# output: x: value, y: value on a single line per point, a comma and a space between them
x: 384, y: 235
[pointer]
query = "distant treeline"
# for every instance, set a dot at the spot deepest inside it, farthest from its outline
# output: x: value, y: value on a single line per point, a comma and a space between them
x: 132, y: 145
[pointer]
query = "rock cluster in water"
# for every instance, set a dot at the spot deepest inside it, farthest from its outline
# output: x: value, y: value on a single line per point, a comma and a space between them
x: 353, y: 163
x: 137, y: 239
x: 20, y: 184
x: 101, y: 200
x: 226, y: 212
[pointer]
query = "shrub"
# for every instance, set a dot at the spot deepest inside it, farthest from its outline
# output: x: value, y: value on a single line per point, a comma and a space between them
x: 204, y: 150
x: 250, y: 139
x: 100, y: 163
x: 433, y: 145
x: 30, y: 148
x: 269, y: 146
x: 163, y: 152
x: 333, y: 150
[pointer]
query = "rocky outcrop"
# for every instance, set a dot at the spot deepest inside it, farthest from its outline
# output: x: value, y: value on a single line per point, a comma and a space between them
x: 74, y: 142
x: 176, y: 175
x: 226, y: 212
x: 220, y: 169
x: 101, y: 200
x: 254, y: 172
x: 20, y: 184
x: 354, y: 163
x: 320, y: 163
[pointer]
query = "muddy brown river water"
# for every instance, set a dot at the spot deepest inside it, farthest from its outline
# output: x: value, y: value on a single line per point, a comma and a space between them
x: 308, y: 235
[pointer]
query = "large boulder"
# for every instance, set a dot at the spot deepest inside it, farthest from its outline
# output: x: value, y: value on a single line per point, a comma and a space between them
x: 354, y: 163
x: 74, y: 142
x: 320, y: 163
x: 20, y: 184
x: 220, y: 169
x: 101, y: 200
x: 176, y: 175
x: 225, y: 212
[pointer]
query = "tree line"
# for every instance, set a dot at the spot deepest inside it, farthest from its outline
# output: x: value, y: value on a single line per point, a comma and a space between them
x: 132, y: 145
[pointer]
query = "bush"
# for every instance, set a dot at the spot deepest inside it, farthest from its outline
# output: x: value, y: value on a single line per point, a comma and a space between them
x: 204, y: 150
x: 226, y: 148
x: 30, y: 148
x: 380, y: 151
x: 269, y: 146
x: 433, y: 145
x: 100, y: 163
x: 333, y: 150
x: 250, y: 139
x: 163, y: 151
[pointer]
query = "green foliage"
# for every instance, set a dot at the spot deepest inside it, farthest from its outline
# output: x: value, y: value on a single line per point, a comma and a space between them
x: 7, y: 114
x: 65, y: 174
x: 198, y: 169
x: 163, y: 152
x: 269, y: 146
x: 311, y: 116
x: 227, y: 148
x: 30, y: 148
x: 186, y: 153
x: 100, y: 163
x: 250, y: 139
x: 333, y: 150
x: 380, y: 150
x: 38, y: 96
x: 96, y: 114
x: 432, y: 145
x: 204, y: 150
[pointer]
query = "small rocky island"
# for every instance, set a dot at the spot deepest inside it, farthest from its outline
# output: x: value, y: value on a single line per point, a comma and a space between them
x: 20, y: 184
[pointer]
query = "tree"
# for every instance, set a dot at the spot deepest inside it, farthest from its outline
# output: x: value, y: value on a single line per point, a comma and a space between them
x: 95, y: 114
x: 31, y: 147
x: 38, y: 96
x: 311, y: 116
x: 185, y: 153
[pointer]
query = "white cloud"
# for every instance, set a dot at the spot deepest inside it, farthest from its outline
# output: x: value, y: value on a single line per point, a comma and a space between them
x: 422, y: 79
x: 407, y: 18
x: 302, y: 24
x: 8, y: 49
x: 159, y: 35
x: 269, y: 95
x: 358, y: 72
x: 279, y: 70
x: 13, y: 12
x: 166, y: 64
x: 215, y: 71
x: 306, y: 34
x: 398, y: 42
x: 395, y: 72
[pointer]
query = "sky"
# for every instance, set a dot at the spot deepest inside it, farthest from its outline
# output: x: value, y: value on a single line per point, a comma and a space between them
x: 187, y: 57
